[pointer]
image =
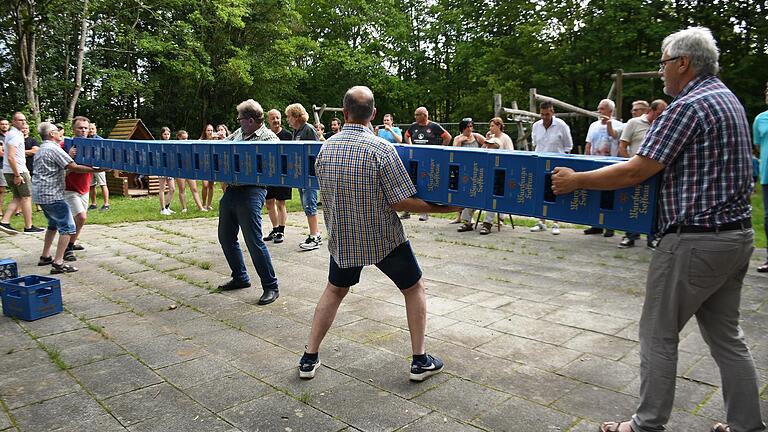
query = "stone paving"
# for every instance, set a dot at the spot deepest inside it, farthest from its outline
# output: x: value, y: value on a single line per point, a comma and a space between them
x: 539, y: 333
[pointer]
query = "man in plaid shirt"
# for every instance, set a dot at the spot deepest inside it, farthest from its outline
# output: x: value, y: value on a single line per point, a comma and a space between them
x: 363, y: 184
x: 702, y: 147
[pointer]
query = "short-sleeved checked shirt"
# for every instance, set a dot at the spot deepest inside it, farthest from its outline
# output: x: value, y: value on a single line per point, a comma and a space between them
x: 360, y: 177
x: 702, y: 139
x: 50, y: 163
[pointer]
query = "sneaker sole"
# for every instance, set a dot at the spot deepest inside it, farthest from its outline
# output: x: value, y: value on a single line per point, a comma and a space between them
x: 309, y: 247
x: 309, y: 374
x: 8, y: 230
x: 424, y: 375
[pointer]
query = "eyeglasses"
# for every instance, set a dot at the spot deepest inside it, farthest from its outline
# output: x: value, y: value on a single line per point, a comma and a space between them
x: 663, y: 63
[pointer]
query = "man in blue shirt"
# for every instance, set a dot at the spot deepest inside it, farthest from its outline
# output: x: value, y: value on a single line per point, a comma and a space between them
x: 760, y: 139
x: 389, y: 131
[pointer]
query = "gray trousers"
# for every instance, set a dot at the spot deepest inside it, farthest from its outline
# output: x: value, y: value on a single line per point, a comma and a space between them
x: 702, y: 275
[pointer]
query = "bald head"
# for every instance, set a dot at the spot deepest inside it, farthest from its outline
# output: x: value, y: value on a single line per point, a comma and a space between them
x: 421, y: 115
x: 359, y: 105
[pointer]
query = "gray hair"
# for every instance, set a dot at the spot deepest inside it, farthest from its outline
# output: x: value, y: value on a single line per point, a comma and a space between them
x: 45, y: 129
x: 610, y: 103
x: 359, y: 104
x: 696, y: 43
x: 252, y: 109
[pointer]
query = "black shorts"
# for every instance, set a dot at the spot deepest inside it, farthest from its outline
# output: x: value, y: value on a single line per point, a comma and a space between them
x: 400, y: 266
x: 279, y: 193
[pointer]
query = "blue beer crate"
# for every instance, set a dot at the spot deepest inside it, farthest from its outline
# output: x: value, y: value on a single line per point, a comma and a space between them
x: 428, y: 168
x: 221, y: 165
x: 115, y: 156
x: 244, y: 163
x: 510, y: 185
x: 129, y: 152
x: 290, y: 163
x: 580, y: 206
x: 84, y: 146
x: 201, y: 161
x: 140, y: 157
x: 266, y: 163
x: 92, y: 152
x: 31, y: 297
x: 311, y: 151
x: 468, y: 169
x: 100, y: 154
x: 182, y: 160
x: 8, y: 269
x: 152, y: 158
x: 631, y: 209
x: 166, y: 161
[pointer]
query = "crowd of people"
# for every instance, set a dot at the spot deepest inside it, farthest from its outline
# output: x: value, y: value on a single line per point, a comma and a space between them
x: 699, y: 144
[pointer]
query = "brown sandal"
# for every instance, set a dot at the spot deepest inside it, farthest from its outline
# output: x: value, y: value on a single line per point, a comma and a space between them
x: 763, y: 268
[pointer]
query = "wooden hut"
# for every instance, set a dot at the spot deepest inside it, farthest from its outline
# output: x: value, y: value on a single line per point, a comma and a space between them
x: 122, y: 183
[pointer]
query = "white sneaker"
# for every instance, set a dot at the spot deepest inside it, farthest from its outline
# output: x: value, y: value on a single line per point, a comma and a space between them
x: 311, y: 243
x: 555, y: 229
x: 539, y: 227
x: 165, y: 212
x: 424, y: 217
x: 170, y: 211
x: 183, y: 210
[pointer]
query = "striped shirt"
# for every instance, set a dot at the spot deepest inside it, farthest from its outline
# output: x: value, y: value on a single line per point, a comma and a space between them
x: 50, y: 163
x: 702, y: 139
x: 360, y: 177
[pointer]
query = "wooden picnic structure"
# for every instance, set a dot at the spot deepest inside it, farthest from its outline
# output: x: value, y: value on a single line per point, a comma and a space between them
x: 120, y: 182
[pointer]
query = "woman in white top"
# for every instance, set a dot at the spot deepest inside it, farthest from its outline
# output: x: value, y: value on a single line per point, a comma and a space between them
x: 502, y: 141
x: 166, y: 199
x: 495, y: 139
x: 207, y: 191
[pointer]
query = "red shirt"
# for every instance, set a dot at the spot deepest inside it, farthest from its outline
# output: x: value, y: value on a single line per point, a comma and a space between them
x: 78, y: 182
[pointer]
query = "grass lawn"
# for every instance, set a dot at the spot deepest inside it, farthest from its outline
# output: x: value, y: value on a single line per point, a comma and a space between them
x: 148, y: 209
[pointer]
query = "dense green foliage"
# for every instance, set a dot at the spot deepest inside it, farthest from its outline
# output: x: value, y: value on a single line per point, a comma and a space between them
x: 185, y: 63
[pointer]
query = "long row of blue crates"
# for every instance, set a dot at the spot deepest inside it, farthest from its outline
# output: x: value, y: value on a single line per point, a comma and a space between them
x: 516, y: 182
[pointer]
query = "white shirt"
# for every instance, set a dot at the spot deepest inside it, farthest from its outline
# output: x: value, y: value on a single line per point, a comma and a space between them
x: 15, y: 138
x: 554, y: 139
x: 601, y: 143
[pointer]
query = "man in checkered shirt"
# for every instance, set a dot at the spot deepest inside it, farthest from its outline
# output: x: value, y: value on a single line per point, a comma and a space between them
x: 363, y: 184
x: 701, y: 146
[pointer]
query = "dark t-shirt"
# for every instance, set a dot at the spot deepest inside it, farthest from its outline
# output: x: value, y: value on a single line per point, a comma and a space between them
x: 329, y: 134
x: 284, y: 135
x: 29, y: 143
x: 428, y: 134
x: 305, y: 133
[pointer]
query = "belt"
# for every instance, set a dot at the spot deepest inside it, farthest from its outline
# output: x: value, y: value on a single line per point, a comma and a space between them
x: 691, y: 229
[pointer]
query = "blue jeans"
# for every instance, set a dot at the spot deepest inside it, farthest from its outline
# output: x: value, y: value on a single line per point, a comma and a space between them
x: 59, y: 217
x: 309, y: 201
x: 240, y: 207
